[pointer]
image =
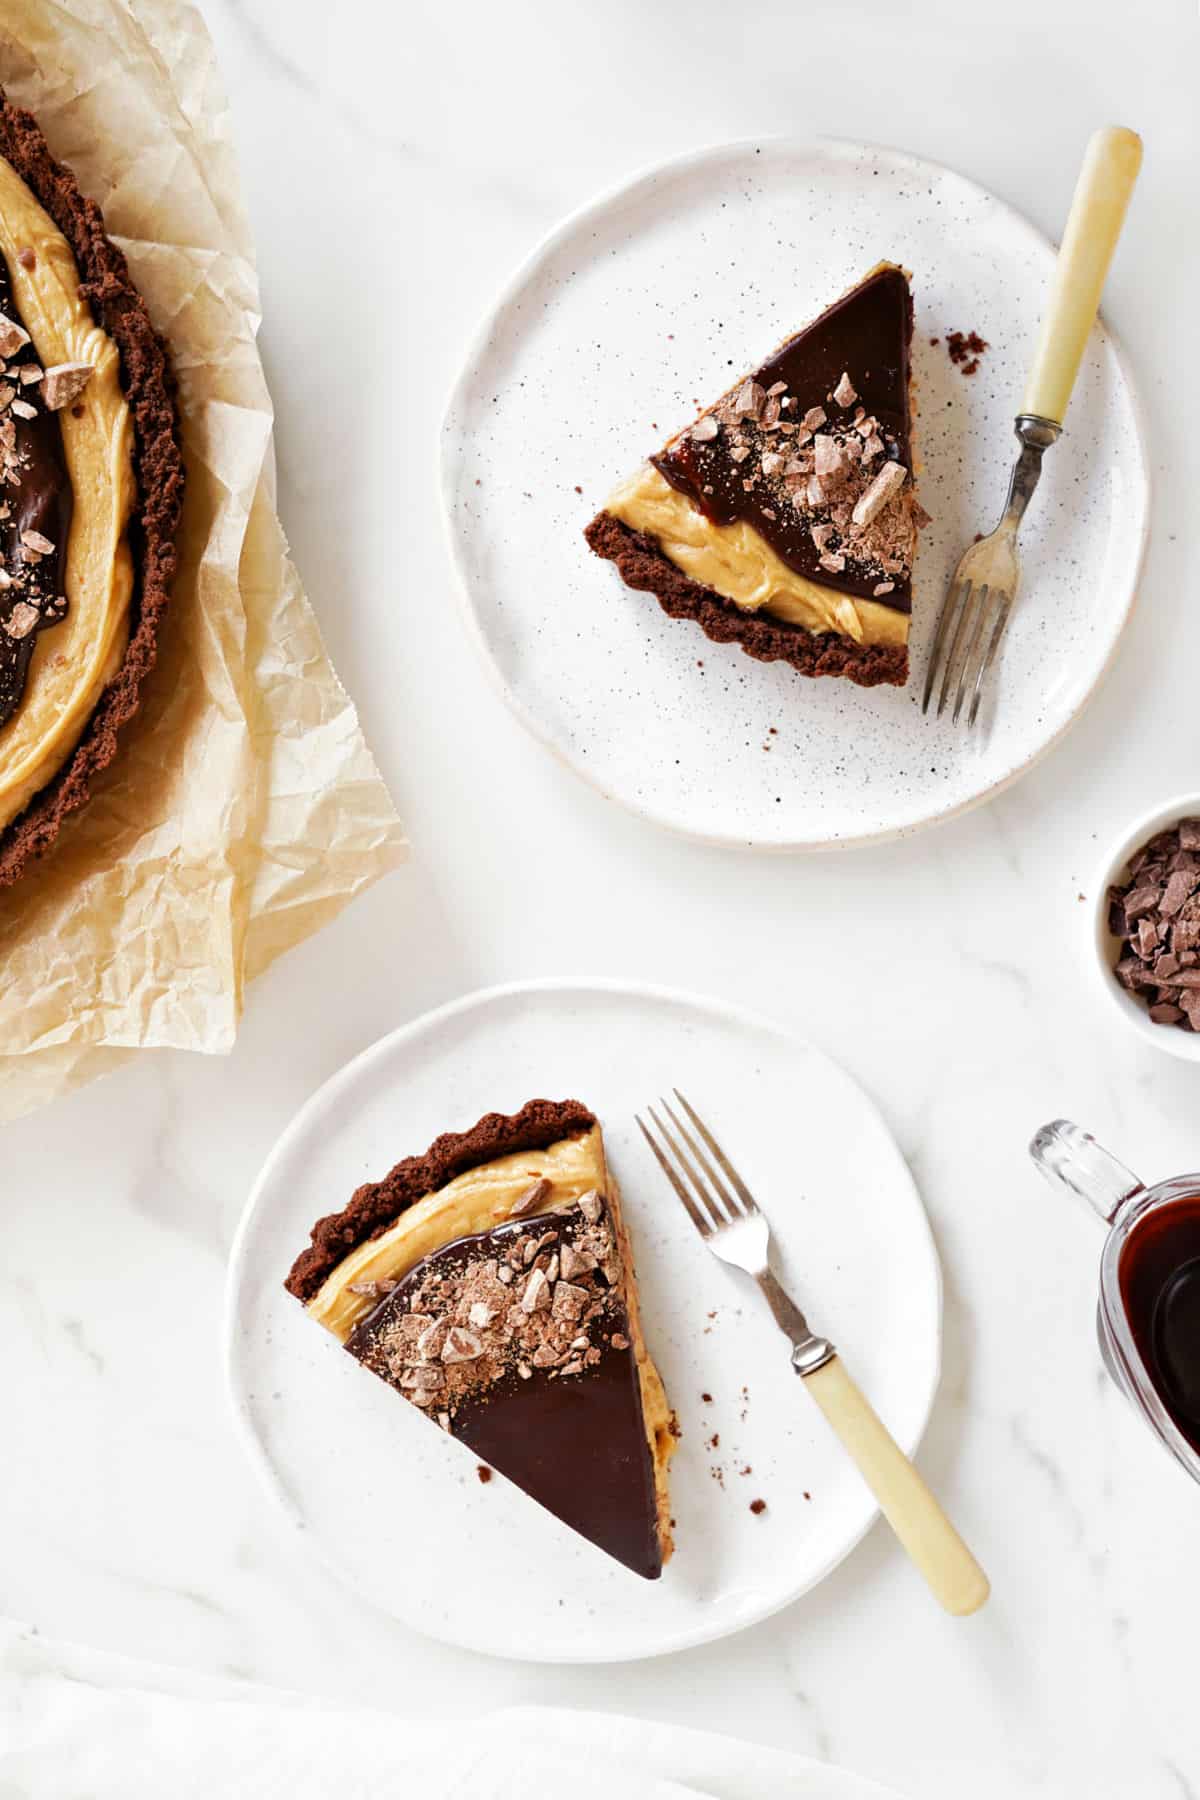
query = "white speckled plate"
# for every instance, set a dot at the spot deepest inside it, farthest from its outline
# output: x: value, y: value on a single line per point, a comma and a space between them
x: 394, y: 1506
x: 645, y: 305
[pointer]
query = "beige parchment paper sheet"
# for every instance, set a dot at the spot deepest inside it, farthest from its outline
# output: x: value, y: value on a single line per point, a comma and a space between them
x: 245, y: 808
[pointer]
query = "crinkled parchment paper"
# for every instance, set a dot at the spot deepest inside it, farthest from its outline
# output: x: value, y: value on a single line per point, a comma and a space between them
x: 244, y: 809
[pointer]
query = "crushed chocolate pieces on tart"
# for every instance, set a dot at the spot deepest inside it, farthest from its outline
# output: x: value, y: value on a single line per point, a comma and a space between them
x: 64, y: 382
x: 23, y: 619
x: 575, y: 1262
x: 451, y: 1329
x: 538, y: 1292
x: 37, y: 500
x: 372, y: 1290
x: 882, y: 491
x: 533, y: 1196
x: 13, y: 336
x: 461, y: 1346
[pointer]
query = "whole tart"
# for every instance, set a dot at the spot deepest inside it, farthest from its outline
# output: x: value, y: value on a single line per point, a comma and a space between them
x: 490, y: 1283
x: 91, y: 488
x: 784, y: 519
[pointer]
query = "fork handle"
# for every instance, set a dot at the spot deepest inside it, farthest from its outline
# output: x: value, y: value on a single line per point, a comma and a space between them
x: 952, y: 1573
x: 1110, y: 168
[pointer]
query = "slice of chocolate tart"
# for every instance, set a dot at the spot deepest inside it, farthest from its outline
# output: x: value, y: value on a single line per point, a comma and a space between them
x: 490, y: 1282
x: 784, y: 518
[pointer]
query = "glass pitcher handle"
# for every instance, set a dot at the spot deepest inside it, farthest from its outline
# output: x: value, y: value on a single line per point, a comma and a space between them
x: 1070, y: 1157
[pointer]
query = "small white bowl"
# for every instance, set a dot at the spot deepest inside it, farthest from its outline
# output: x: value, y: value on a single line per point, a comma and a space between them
x: 1113, y: 872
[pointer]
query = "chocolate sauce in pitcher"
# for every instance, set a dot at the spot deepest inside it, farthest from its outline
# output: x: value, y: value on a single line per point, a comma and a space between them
x: 1159, y: 1276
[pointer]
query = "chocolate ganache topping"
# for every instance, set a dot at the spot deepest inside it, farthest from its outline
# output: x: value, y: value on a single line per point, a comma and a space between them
x: 517, y: 1342
x: 813, y: 450
x: 35, y: 505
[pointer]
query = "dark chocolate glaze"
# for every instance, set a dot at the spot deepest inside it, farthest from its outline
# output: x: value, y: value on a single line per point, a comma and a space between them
x: 40, y: 501
x: 576, y: 1444
x: 867, y: 334
x: 1159, y: 1278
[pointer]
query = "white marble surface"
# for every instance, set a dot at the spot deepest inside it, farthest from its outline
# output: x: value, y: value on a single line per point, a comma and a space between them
x: 398, y: 161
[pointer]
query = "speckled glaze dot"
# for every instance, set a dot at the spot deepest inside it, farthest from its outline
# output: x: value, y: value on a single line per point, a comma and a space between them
x: 642, y: 308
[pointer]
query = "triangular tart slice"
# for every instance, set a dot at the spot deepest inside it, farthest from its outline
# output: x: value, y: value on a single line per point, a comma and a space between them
x: 784, y: 519
x: 490, y: 1282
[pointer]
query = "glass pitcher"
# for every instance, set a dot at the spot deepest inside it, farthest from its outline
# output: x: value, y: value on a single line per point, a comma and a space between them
x: 1131, y: 1338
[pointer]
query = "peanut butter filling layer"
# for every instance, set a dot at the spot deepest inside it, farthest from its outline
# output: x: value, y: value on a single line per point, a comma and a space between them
x: 739, y: 565
x: 471, y: 1203
x: 73, y: 663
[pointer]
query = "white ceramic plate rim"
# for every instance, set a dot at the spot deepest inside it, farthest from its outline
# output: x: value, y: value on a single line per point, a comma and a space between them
x: 1182, y: 1044
x: 345, y: 1077
x: 591, y: 209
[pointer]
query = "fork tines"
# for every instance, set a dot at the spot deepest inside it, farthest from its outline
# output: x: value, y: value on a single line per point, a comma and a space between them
x: 963, y: 641
x: 721, y: 1196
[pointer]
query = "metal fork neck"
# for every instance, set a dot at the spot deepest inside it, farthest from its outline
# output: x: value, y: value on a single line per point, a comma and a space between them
x: 812, y: 1354
x: 1035, y: 436
x: 809, y: 1351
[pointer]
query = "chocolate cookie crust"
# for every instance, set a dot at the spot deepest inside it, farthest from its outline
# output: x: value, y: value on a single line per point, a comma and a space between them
x: 642, y: 565
x: 377, y: 1205
x: 149, y: 388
